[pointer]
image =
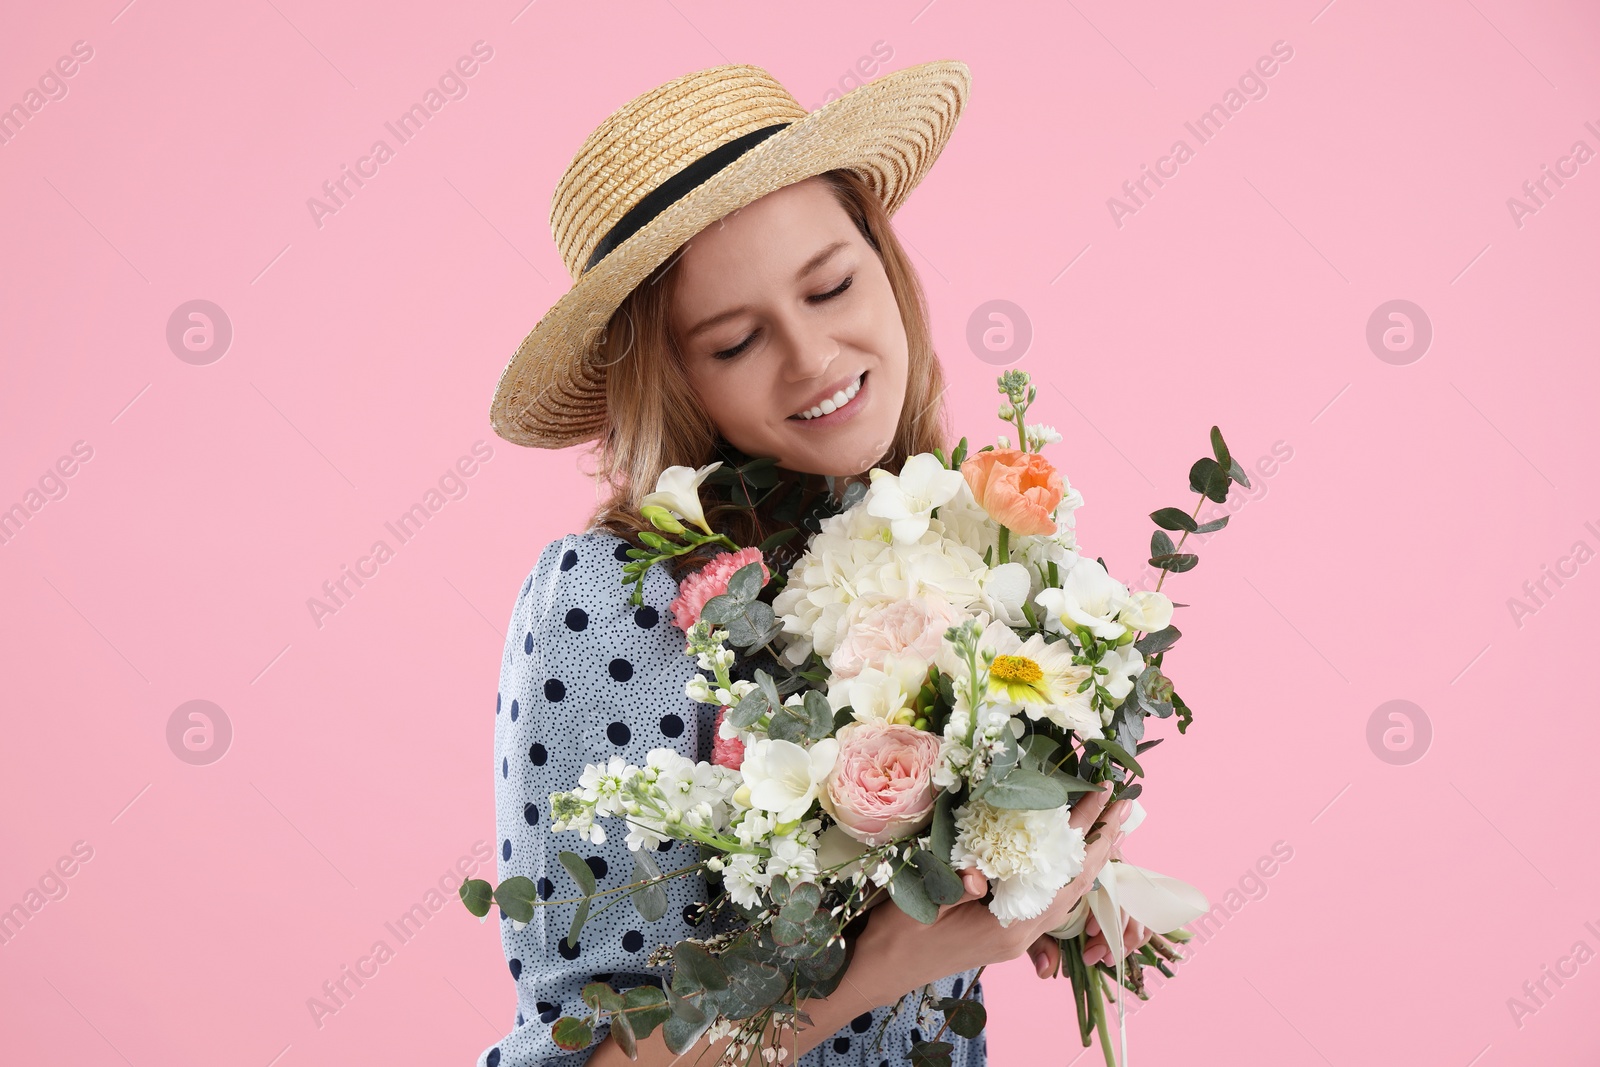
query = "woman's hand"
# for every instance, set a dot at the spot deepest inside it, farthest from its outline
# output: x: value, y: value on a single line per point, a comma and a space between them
x: 896, y: 954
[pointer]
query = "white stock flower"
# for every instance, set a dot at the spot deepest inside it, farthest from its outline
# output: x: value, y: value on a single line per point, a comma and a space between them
x: 742, y: 877
x: 1146, y: 610
x: 907, y: 500
x: 791, y: 861
x: 1027, y: 855
x: 784, y: 777
x: 678, y: 490
x: 1088, y: 599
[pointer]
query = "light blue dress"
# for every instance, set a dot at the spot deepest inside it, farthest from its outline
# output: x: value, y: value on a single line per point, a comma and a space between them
x: 587, y: 676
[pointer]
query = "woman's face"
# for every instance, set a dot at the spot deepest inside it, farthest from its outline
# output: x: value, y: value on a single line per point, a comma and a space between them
x: 790, y: 333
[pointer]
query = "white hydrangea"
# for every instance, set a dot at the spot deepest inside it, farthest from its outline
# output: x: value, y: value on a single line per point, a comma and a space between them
x: 855, y: 557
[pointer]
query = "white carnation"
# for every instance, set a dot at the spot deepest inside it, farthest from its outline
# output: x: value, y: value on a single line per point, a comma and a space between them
x: 1027, y: 855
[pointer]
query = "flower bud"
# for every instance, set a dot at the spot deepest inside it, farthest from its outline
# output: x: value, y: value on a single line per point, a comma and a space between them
x: 741, y: 796
x: 662, y: 519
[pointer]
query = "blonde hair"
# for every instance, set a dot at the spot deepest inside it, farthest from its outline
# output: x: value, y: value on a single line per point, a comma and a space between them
x: 654, y: 420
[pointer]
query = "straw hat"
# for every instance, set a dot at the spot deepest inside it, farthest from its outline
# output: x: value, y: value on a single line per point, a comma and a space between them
x: 671, y: 162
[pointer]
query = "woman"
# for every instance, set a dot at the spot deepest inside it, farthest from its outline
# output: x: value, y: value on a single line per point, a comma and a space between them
x: 754, y: 302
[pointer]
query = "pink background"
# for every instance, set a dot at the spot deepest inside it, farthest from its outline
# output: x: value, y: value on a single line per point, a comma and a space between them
x: 1376, y: 563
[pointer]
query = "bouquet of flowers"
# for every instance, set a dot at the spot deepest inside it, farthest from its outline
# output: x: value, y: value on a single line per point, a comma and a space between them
x: 929, y: 688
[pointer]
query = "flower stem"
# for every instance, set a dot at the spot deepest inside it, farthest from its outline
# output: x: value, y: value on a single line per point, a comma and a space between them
x: 1004, y: 551
x: 1175, y: 548
x: 1101, y: 1029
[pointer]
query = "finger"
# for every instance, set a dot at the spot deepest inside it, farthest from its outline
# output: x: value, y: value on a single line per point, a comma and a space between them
x: 973, y: 886
x: 1092, y: 927
x: 1095, y: 949
x: 1089, y: 807
x: 1046, y: 956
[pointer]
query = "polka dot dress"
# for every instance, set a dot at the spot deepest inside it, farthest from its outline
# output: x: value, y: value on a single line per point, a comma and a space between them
x: 587, y: 676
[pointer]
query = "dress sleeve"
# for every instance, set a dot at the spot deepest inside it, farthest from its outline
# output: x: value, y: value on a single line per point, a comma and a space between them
x: 585, y: 676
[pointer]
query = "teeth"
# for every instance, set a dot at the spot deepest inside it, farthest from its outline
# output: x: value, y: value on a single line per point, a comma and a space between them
x: 834, y: 402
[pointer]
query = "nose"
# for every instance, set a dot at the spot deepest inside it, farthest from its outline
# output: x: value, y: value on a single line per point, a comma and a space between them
x: 809, y: 350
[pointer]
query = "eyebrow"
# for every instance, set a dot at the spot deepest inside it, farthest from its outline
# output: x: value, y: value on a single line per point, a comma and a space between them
x: 823, y: 255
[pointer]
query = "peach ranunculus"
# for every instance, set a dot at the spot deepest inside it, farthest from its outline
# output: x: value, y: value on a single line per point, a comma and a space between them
x: 1019, y: 490
x: 881, y: 786
x: 905, y: 626
x: 709, y: 581
x: 725, y: 751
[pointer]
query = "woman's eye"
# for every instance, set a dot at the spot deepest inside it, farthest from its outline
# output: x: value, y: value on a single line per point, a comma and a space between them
x: 830, y: 294
x: 729, y: 353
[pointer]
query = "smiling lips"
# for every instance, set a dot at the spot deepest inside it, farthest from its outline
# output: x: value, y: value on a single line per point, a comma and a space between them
x: 838, y: 400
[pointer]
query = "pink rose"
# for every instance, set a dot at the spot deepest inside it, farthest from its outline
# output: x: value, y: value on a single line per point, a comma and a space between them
x: 881, y: 785
x: 725, y: 751
x: 709, y: 581
x: 911, y: 626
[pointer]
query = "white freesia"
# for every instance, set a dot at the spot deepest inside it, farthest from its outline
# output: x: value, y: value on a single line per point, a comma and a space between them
x: 907, y: 500
x: 880, y: 693
x: 783, y: 777
x: 1027, y: 855
x: 678, y: 490
x: 1089, y: 599
x: 1123, y: 666
x: 1006, y: 588
x: 1146, y: 610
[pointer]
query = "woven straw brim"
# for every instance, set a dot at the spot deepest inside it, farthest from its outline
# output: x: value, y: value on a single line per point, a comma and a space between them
x: 890, y: 131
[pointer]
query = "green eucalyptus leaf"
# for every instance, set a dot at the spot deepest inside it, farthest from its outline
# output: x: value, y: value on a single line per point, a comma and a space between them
x: 477, y: 895
x: 1023, y: 789
x: 572, y: 1034
x: 1118, y: 753
x: 1210, y: 478
x: 600, y: 996
x: 746, y: 582
x: 931, y: 1054
x: 820, y: 715
x: 764, y: 680
x: 1237, y: 473
x: 1173, y: 519
x: 910, y: 892
x: 719, y: 610
x: 1212, y: 526
x: 704, y: 969
x: 647, y: 1008
x: 1160, y: 543
x: 683, y: 1008
x: 966, y: 1017
x: 1177, y: 562
x: 1219, y: 448
x: 515, y: 897
x: 681, y: 1034
x: 787, y: 724
x: 943, y: 885
x: 580, y: 871
x: 1159, y: 641
x: 942, y: 833
x: 750, y: 709
x: 650, y: 901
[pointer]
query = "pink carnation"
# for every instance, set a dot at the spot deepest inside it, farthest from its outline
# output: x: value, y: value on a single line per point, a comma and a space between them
x: 709, y: 581
x: 881, y: 786
x: 726, y: 751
